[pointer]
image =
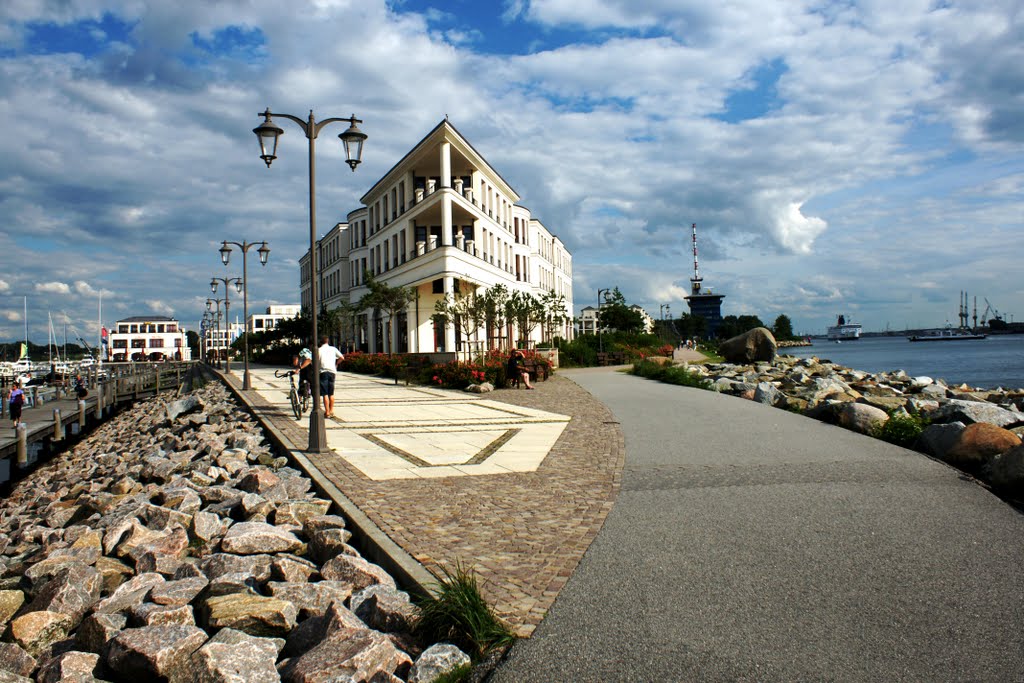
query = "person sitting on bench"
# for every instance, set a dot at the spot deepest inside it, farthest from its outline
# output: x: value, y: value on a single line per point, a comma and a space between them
x: 516, y: 369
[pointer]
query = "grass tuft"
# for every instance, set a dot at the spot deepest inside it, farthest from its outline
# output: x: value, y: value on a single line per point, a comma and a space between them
x: 666, y: 372
x: 902, y: 430
x: 459, y: 615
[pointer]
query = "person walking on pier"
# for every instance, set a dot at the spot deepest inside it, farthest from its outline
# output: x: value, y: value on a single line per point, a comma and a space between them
x: 16, y: 400
x: 329, y: 358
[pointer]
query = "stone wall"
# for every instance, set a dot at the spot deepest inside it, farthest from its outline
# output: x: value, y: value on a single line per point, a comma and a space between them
x: 173, y: 544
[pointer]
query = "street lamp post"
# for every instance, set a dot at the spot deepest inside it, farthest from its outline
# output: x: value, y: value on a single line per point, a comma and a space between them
x: 597, y: 320
x: 225, y: 256
x: 228, y: 281
x: 268, y: 134
x: 216, y: 338
x: 204, y: 329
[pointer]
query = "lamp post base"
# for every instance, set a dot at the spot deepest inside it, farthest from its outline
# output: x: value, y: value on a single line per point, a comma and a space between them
x: 317, y: 432
x: 246, y: 384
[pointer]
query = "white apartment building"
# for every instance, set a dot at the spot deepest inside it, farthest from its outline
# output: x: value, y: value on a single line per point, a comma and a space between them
x: 586, y: 323
x: 148, y: 338
x: 441, y: 221
x: 264, y: 322
x: 648, y: 321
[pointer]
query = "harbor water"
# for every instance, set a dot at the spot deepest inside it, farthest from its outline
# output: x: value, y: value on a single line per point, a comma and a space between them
x: 997, y: 361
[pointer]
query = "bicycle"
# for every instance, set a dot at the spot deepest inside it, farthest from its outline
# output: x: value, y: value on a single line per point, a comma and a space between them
x: 299, y: 406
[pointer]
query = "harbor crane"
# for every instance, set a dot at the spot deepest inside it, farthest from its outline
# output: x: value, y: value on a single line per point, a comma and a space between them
x: 996, y: 322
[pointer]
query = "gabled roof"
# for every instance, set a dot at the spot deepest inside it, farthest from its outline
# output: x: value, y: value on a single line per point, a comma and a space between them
x: 444, y: 123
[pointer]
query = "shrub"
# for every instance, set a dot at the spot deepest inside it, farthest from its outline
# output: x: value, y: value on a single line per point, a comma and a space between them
x: 900, y: 429
x: 459, y: 615
x: 670, y: 374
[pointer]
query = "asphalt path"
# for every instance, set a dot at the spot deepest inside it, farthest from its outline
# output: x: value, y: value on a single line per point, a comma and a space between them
x: 751, y: 544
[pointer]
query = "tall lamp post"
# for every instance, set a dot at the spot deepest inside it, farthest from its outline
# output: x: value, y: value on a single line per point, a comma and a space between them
x: 597, y: 320
x: 228, y: 281
x: 204, y: 331
x: 215, y: 317
x: 268, y: 134
x: 225, y: 256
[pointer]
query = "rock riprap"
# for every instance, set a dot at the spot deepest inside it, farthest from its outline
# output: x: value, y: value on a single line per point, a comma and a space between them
x: 172, y: 544
x: 977, y: 430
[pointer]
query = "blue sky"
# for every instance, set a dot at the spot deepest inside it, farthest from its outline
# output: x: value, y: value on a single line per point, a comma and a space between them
x: 853, y: 157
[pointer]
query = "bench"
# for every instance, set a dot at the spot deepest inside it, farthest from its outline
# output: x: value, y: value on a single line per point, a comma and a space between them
x: 617, y: 358
x: 412, y: 368
x: 537, y: 370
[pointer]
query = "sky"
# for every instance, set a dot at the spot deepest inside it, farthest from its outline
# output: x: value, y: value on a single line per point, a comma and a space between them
x: 857, y: 158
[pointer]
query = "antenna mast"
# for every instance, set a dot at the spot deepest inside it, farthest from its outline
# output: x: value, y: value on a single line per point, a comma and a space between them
x: 696, y: 279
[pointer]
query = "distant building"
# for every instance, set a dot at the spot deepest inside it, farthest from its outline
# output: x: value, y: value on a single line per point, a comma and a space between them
x: 443, y: 222
x: 148, y: 338
x: 264, y: 322
x: 586, y: 323
x: 648, y: 321
x: 702, y: 301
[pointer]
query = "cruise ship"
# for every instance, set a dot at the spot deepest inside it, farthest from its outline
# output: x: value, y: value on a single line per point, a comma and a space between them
x: 843, y: 330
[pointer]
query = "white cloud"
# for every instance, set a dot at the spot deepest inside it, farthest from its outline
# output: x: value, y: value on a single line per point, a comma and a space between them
x: 4, y: 287
x: 53, y: 288
x: 624, y: 128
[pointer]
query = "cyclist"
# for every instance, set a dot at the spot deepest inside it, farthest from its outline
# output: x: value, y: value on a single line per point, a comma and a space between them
x: 305, y: 366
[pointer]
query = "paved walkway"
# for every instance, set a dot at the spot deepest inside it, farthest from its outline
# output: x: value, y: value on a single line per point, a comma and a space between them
x: 514, y: 483
x: 751, y: 544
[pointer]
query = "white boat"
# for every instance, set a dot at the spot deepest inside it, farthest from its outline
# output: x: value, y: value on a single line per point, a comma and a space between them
x: 946, y: 334
x: 843, y: 330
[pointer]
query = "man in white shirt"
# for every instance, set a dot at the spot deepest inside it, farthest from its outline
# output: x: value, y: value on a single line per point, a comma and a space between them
x: 329, y: 358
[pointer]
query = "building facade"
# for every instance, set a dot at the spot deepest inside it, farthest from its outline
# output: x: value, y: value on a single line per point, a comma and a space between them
x: 443, y: 222
x: 264, y: 322
x: 148, y: 338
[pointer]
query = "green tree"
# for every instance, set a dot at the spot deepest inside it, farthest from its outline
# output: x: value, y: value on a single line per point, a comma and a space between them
x: 732, y: 325
x: 465, y: 310
x: 384, y: 297
x: 554, y: 313
x: 192, y: 339
x: 526, y: 312
x: 616, y: 315
x: 494, y: 301
x: 783, y: 328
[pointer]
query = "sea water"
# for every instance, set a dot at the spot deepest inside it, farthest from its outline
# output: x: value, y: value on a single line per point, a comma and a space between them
x: 997, y: 361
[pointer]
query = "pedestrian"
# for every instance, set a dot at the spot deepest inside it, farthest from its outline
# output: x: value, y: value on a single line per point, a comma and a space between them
x: 516, y: 368
x: 16, y: 401
x: 329, y: 357
x: 80, y: 391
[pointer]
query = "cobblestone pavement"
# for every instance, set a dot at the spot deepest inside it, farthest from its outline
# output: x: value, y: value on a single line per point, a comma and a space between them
x: 523, y: 533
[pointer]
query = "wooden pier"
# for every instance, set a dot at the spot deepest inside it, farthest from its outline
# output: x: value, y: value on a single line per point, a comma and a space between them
x: 53, y: 417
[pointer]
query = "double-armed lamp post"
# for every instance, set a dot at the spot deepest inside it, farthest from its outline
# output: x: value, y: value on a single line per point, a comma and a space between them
x: 215, y: 320
x: 228, y: 281
x: 268, y: 134
x: 225, y: 256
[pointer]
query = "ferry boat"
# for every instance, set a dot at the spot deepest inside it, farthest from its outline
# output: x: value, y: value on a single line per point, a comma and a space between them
x: 843, y: 330
x: 946, y: 334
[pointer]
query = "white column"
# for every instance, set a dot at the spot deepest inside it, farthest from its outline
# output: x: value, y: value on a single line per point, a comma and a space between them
x: 446, y: 164
x: 446, y: 221
x: 449, y: 330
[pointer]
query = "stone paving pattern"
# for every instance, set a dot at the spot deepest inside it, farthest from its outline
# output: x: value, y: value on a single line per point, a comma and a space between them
x: 523, y: 534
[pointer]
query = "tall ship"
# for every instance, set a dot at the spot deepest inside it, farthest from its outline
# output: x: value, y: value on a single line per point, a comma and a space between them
x: 843, y: 330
